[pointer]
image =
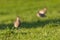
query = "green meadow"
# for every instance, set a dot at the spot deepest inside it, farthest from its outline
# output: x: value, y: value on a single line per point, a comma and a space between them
x: 32, y: 27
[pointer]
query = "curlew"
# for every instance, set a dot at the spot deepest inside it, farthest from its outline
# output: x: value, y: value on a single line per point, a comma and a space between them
x: 17, y: 22
x: 42, y: 12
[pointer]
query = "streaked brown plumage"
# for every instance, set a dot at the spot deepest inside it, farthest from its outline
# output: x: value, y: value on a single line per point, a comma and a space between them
x: 17, y: 23
x: 42, y: 12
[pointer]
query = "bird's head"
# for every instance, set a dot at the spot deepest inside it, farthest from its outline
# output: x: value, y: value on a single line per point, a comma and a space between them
x: 18, y: 18
x: 45, y: 9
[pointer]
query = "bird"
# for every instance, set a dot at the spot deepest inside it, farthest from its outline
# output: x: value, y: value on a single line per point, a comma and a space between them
x: 17, y: 22
x: 42, y: 12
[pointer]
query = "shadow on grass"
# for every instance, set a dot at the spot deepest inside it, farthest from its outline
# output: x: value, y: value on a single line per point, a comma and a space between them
x: 39, y: 23
x: 4, y: 26
x: 32, y: 24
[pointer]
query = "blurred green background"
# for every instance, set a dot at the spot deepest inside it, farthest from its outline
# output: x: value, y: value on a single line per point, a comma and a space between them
x: 32, y: 27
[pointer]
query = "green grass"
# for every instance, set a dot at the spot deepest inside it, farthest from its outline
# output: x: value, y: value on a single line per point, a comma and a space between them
x: 32, y: 27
